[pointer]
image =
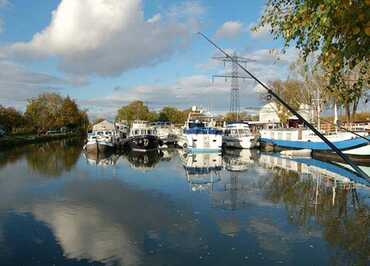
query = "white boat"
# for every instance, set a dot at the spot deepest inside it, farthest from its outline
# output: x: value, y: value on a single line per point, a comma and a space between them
x: 100, y: 142
x: 165, y: 132
x: 238, y: 135
x: 199, y: 133
x: 102, y: 139
x: 122, y: 129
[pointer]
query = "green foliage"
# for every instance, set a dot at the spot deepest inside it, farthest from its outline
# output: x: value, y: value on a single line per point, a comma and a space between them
x: 292, y: 92
x: 173, y: 115
x: 135, y: 110
x: 337, y: 32
x: 243, y: 116
x: 52, y: 111
x: 10, y: 118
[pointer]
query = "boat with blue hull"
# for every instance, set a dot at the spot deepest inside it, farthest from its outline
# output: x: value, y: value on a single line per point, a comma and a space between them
x: 306, y: 139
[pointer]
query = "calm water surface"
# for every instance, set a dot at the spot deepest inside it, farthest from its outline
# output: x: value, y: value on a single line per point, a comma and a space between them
x: 58, y: 207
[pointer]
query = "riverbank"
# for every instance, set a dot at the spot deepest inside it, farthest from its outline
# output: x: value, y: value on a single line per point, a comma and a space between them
x: 12, y: 141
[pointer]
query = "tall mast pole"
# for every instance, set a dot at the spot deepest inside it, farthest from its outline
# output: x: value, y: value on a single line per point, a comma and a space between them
x: 357, y: 169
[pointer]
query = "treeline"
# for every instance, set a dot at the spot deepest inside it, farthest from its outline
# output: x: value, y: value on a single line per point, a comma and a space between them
x: 137, y: 110
x: 49, y: 111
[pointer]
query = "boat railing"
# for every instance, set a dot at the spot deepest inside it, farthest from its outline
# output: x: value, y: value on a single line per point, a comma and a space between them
x: 203, y: 130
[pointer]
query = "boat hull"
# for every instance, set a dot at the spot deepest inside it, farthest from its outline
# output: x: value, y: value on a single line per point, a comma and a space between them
x: 99, y: 147
x: 360, y: 156
x: 202, y: 142
x: 239, y: 142
x: 144, y: 143
x: 347, y: 144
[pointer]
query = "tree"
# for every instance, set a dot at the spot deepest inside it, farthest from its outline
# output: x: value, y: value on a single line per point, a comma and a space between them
x: 135, y: 110
x: 173, y: 115
x: 10, y: 118
x: 50, y: 110
x: 292, y: 92
x: 243, y: 116
x: 70, y: 115
x: 336, y: 32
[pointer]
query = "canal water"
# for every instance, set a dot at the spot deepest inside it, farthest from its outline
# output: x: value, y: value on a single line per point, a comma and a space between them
x: 59, y: 207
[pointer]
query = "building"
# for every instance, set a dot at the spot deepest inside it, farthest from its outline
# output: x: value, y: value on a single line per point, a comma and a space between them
x: 104, y: 126
x: 268, y: 113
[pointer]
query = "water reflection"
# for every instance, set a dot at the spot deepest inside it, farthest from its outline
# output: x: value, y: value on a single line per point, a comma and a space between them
x: 144, y: 160
x: 51, y: 159
x: 242, y: 207
x: 101, y: 159
x: 202, y: 170
x: 89, y: 224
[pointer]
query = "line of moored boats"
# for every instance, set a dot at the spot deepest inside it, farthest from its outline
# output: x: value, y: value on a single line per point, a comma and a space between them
x: 201, y: 134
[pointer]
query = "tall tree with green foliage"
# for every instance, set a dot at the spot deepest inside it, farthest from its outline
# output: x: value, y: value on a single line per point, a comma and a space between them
x: 173, y: 115
x: 135, y: 110
x: 337, y: 32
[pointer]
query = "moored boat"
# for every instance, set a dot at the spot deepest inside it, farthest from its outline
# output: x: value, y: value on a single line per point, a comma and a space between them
x: 238, y: 135
x: 143, y: 137
x: 100, y: 142
x: 298, y: 138
x: 199, y: 133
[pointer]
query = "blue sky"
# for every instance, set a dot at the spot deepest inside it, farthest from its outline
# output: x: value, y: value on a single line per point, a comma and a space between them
x: 106, y: 53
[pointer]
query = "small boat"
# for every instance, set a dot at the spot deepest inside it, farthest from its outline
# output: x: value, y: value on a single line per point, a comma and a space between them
x: 165, y: 132
x: 100, y: 142
x: 199, y: 133
x: 102, y: 139
x: 238, y: 135
x: 143, y: 137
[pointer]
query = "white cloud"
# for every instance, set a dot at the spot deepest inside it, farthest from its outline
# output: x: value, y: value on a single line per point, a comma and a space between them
x: 17, y: 84
x: 3, y: 3
x: 229, y: 30
x: 109, y: 37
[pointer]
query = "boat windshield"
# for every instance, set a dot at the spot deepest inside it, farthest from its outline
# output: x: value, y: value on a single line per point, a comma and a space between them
x: 196, y: 124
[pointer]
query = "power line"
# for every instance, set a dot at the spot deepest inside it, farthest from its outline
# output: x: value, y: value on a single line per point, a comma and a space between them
x: 235, y: 76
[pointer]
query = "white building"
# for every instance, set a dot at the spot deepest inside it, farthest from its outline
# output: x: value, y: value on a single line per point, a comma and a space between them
x: 268, y: 113
x: 104, y: 126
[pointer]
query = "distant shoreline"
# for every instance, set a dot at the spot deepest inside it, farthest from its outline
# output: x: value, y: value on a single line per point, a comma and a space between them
x: 9, y: 142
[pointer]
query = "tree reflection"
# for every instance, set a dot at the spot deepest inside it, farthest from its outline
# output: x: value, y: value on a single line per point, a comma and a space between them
x: 53, y: 158
x: 344, y: 221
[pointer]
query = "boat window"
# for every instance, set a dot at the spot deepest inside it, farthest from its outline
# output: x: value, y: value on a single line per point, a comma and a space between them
x: 137, y: 132
x: 149, y: 131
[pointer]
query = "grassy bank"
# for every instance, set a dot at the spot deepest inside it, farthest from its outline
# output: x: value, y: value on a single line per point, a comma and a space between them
x: 13, y: 141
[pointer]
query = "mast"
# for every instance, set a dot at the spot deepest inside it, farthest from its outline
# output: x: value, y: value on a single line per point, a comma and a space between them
x: 357, y: 169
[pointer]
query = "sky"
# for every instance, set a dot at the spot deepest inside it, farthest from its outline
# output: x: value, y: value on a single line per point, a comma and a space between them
x: 106, y: 53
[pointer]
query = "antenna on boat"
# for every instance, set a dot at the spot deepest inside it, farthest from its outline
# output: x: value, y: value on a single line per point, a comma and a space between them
x: 277, y: 97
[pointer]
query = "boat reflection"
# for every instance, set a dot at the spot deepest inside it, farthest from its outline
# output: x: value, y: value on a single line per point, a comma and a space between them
x: 232, y: 192
x: 330, y: 173
x: 239, y: 159
x: 202, y: 169
x: 144, y: 160
x: 101, y: 159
